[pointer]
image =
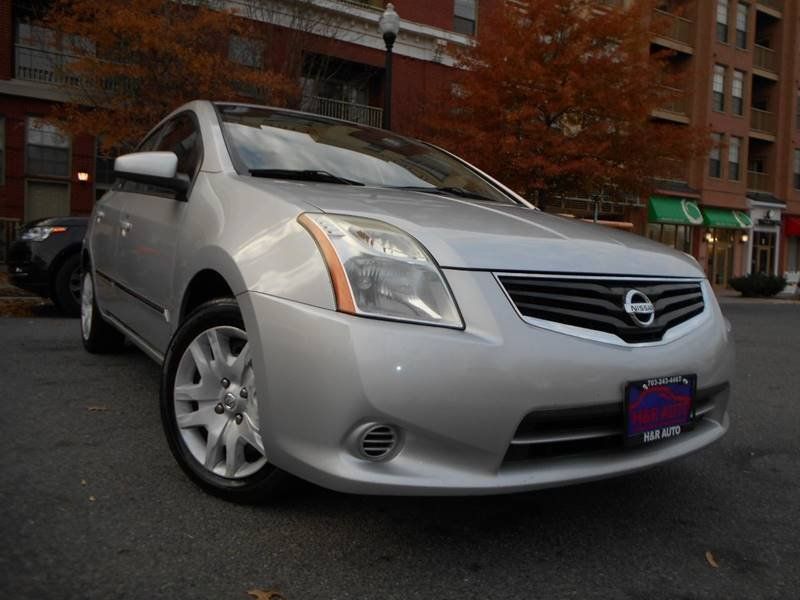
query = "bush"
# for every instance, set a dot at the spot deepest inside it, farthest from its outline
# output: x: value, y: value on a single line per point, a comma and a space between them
x: 758, y: 285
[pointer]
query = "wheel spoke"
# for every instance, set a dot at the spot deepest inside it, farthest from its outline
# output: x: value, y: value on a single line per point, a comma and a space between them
x: 234, y: 451
x: 202, y: 417
x: 216, y: 342
x: 240, y: 363
x: 214, y: 446
x: 205, y: 391
x: 202, y: 359
x: 249, y: 433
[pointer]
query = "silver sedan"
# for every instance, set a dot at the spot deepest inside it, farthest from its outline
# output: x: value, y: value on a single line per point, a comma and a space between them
x: 373, y: 314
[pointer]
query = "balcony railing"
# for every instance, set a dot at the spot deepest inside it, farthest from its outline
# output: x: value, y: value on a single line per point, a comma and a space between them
x: 349, y: 111
x: 43, y: 66
x: 773, y: 4
x: 765, y: 58
x: 675, y: 101
x: 758, y: 181
x: 376, y: 4
x: 762, y: 120
x: 674, y: 27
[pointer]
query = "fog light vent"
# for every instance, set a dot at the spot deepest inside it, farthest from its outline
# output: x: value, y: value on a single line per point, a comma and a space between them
x: 378, y: 442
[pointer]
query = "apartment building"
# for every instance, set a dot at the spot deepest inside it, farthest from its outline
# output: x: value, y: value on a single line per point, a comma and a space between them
x: 738, y: 210
x: 44, y: 173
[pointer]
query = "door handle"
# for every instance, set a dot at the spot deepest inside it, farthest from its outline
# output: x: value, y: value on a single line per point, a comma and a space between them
x: 125, y: 227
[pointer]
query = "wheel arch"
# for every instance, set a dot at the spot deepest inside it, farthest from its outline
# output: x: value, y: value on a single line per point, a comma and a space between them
x: 205, y: 285
x: 65, y: 253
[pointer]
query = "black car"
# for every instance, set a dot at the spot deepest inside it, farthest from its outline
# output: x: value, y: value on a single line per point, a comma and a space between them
x: 46, y: 259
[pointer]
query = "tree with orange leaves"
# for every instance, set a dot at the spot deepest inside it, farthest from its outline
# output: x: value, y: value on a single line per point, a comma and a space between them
x: 556, y: 97
x: 133, y: 61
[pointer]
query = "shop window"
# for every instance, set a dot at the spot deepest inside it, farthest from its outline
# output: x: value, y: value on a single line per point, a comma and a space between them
x: 718, y: 86
x: 46, y: 150
x: 714, y: 161
x: 465, y: 16
x: 722, y: 21
x: 734, y: 153
x: 793, y: 254
x: 676, y: 236
x: 741, y: 25
x: 737, y: 92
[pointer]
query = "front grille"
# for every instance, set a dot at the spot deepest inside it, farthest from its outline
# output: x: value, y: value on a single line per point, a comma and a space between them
x: 584, y: 430
x: 599, y: 303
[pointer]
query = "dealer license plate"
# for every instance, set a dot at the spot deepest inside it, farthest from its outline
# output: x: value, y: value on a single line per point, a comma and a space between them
x: 659, y: 409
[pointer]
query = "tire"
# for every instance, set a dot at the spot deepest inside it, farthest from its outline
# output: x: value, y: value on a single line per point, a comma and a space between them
x: 98, y: 336
x: 67, y: 286
x: 209, y: 408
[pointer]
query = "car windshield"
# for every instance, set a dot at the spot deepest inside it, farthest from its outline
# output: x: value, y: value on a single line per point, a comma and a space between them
x: 267, y: 143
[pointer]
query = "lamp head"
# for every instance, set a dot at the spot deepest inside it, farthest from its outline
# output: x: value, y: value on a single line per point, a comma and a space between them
x: 389, y: 23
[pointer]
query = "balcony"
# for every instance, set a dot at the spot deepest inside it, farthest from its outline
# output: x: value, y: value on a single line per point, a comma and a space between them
x: 349, y: 111
x: 774, y: 7
x: 42, y: 66
x: 675, y: 106
x: 762, y: 122
x: 765, y: 59
x: 758, y: 181
x: 674, y: 31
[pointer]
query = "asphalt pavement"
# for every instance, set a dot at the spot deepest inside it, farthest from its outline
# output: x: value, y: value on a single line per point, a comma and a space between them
x: 93, y: 505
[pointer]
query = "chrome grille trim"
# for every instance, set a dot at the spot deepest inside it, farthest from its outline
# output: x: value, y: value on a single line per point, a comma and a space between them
x: 670, y: 334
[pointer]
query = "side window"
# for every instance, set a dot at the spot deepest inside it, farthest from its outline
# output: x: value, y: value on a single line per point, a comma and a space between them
x: 178, y: 135
x: 183, y: 139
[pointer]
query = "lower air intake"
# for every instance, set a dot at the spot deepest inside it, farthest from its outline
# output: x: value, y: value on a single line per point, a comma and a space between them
x: 378, y: 442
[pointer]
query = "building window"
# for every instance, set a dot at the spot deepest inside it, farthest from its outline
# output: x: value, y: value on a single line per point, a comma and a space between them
x: 734, y: 152
x: 719, y: 88
x: 737, y: 92
x: 714, y: 162
x: 465, y: 16
x: 46, y: 150
x: 2, y: 150
x: 797, y: 169
x: 245, y: 51
x: 722, y: 21
x: 677, y: 236
x: 741, y: 25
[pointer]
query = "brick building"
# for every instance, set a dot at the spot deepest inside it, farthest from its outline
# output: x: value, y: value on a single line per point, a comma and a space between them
x: 736, y: 211
x: 43, y: 173
x: 742, y: 59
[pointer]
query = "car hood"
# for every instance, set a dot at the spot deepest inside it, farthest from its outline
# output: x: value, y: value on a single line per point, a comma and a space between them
x: 468, y: 234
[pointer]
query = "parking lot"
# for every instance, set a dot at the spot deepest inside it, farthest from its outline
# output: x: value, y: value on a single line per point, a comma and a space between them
x: 95, y: 507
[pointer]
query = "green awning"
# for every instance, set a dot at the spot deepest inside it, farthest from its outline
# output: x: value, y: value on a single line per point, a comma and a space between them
x: 678, y: 211
x: 724, y: 218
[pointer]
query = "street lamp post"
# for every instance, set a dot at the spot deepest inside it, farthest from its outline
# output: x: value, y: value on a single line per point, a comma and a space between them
x: 389, y: 26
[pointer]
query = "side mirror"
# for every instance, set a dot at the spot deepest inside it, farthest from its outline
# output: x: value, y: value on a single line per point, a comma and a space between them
x: 152, y: 168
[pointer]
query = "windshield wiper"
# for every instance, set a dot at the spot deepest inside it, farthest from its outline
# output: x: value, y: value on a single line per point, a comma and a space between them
x: 454, y: 191
x: 303, y: 175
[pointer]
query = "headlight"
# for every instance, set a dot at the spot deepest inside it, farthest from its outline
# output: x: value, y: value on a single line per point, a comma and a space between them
x: 378, y: 270
x: 39, y: 234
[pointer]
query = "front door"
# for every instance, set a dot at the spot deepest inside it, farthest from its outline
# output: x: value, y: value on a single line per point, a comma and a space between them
x: 720, y: 256
x: 150, y: 226
x: 46, y: 199
x: 763, y: 260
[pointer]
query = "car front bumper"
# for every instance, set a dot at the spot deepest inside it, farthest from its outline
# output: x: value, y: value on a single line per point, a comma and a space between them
x: 457, y: 397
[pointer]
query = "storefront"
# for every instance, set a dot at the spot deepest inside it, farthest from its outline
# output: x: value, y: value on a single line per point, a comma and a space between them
x: 672, y: 221
x: 727, y: 233
x: 766, y: 239
x: 791, y: 231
